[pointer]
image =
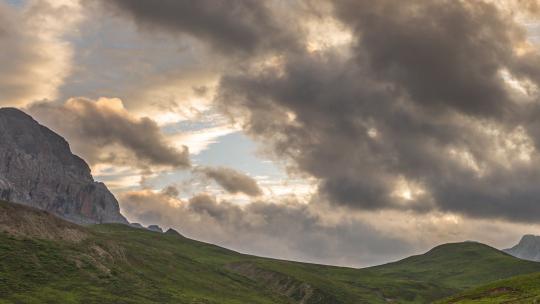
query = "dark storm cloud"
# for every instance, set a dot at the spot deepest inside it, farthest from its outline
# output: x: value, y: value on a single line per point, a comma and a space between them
x: 286, y: 230
x: 231, y: 180
x: 94, y: 125
x: 329, y: 137
x: 441, y: 53
x: 418, y: 117
x: 228, y: 25
x: 416, y: 114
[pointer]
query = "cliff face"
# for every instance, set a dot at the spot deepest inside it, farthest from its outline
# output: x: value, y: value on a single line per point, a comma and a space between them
x: 38, y: 169
x: 528, y: 248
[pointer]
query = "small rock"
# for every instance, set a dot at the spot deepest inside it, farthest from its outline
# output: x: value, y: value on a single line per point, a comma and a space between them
x: 155, y: 228
x: 136, y: 225
x: 171, y: 231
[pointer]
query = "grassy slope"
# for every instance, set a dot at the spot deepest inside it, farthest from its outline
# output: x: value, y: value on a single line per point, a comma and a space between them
x: 443, y: 271
x: 449, y: 268
x: 119, y: 264
x: 521, y: 289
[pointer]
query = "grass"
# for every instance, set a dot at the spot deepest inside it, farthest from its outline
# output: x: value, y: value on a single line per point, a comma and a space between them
x: 522, y: 289
x: 119, y: 264
x: 147, y: 268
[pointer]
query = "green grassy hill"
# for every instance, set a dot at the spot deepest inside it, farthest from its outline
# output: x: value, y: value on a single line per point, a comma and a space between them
x: 447, y: 269
x: 523, y: 289
x: 46, y: 260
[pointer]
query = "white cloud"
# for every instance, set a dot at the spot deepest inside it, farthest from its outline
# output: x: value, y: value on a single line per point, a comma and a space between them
x: 199, y: 140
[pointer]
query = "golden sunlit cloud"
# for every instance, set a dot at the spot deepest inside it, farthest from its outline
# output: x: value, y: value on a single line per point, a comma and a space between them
x: 36, y: 58
x: 200, y: 140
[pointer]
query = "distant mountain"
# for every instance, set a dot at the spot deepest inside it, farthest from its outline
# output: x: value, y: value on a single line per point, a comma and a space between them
x: 528, y: 248
x: 38, y: 169
x: 48, y: 260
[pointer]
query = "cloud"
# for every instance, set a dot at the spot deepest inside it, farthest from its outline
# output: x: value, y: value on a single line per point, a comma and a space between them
x: 201, y: 139
x: 235, y: 26
x: 95, y: 126
x: 288, y: 230
x: 415, y: 115
x: 35, y: 59
x: 442, y: 54
x: 231, y: 180
x: 437, y: 117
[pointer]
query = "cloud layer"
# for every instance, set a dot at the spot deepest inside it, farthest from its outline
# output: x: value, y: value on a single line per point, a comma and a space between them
x: 96, y: 126
x: 234, y: 26
x: 287, y: 230
x: 420, y: 114
x: 232, y: 180
x: 35, y: 60
x: 428, y: 108
x: 399, y: 111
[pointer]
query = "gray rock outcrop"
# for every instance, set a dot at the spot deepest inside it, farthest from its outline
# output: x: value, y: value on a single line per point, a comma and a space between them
x: 38, y: 169
x: 137, y: 225
x: 171, y: 231
x: 528, y: 248
x: 155, y: 228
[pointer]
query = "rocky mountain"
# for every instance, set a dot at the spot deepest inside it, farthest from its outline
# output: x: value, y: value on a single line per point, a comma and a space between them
x: 528, y: 248
x: 38, y: 169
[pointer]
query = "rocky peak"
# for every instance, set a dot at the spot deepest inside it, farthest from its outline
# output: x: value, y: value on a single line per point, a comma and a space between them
x: 38, y: 169
x: 529, y: 239
x: 528, y: 248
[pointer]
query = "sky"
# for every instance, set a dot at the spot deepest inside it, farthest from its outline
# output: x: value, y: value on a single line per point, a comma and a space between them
x: 345, y: 132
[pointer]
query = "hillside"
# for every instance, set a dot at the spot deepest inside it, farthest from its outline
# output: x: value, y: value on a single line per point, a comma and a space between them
x: 449, y: 268
x: 521, y: 289
x: 115, y: 263
x: 27, y: 222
